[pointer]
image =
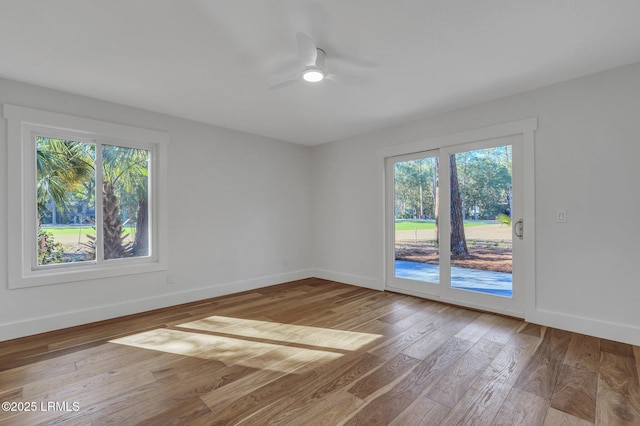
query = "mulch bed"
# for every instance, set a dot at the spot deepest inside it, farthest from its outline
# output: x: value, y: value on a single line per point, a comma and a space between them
x: 484, y: 256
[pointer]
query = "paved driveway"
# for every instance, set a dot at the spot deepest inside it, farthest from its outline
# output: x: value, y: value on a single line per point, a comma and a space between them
x: 497, y: 283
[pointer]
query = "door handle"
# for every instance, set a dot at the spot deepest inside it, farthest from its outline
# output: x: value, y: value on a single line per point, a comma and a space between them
x: 518, y: 229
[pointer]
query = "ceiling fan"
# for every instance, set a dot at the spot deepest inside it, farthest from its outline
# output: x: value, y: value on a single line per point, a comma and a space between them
x: 312, y: 59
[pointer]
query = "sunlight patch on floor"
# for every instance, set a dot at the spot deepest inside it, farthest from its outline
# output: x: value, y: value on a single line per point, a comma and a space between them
x: 251, y: 343
x: 289, y: 333
x: 230, y: 351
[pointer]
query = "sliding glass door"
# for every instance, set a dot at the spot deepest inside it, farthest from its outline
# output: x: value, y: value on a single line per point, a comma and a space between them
x: 414, y: 198
x: 451, y: 215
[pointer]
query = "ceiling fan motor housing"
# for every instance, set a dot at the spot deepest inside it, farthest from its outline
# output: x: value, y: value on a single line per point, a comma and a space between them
x: 315, y: 73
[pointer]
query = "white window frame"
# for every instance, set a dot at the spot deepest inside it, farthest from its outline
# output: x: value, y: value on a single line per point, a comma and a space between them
x: 23, y: 124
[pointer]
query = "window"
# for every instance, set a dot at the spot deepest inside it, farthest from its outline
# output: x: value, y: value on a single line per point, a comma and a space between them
x: 86, y: 198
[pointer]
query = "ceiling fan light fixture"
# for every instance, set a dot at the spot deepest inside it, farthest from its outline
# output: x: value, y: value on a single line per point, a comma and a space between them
x: 313, y: 75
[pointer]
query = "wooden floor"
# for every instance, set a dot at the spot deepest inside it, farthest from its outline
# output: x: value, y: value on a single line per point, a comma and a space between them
x: 315, y: 352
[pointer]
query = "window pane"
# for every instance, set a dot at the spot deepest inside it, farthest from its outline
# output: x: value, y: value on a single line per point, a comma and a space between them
x: 65, y: 196
x: 481, y: 204
x: 125, y: 202
x: 417, y: 250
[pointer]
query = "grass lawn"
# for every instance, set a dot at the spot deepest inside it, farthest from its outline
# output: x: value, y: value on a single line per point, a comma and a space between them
x: 57, y: 231
x: 410, y: 225
x: 75, y: 234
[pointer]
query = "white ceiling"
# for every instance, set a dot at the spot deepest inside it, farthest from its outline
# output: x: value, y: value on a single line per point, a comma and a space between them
x: 214, y: 60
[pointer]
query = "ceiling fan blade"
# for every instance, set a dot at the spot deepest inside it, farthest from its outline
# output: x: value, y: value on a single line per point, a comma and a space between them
x: 346, y: 79
x: 353, y: 63
x: 306, y: 49
x: 284, y: 84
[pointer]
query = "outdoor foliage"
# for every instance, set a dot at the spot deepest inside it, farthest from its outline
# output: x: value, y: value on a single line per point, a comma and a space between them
x: 49, y: 251
x: 504, y: 219
x: 63, y: 169
x: 415, y: 189
x: 66, y: 194
x: 481, y: 189
x: 484, y: 181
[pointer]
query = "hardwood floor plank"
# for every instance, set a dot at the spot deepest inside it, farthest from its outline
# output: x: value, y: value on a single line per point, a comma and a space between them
x: 383, y: 409
x: 331, y: 410
x: 413, y: 313
x: 225, y: 396
x: 397, y: 343
x: 541, y: 374
x: 583, y: 352
x: 17, y: 359
x: 423, y: 347
x: 636, y: 353
x: 532, y: 330
x: 253, y: 403
x: 176, y: 382
x: 616, y: 348
x: 478, y: 328
x: 575, y: 392
x: 422, y: 411
x: 618, y: 401
x: 502, y: 330
x: 87, y: 383
x: 299, y: 362
x: 383, y: 376
x: 11, y: 395
x: 488, y: 392
x: 411, y: 318
x: 312, y: 392
x: 559, y: 418
x: 456, y: 380
x: 522, y: 408
x: 317, y: 352
x: 176, y: 414
x: 84, y: 392
x: 16, y: 377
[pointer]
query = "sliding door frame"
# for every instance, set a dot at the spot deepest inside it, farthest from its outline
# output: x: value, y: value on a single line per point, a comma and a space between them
x: 412, y: 286
x: 523, y: 129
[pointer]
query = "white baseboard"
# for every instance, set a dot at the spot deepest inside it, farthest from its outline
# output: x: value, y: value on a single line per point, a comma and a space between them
x: 84, y: 316
x: 603, y: 329
x: 356, y: 280
x: 588, y: 326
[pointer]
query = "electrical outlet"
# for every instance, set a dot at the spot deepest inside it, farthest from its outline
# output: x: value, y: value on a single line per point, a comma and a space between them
x: 170, y: 280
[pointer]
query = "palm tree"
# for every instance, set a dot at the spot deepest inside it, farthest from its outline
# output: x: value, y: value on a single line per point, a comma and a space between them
x: 65, y: 166
x: 125, y: 170
x: 62, y: 167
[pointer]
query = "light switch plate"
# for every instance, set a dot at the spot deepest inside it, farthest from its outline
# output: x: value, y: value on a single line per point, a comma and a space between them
x: 561, y: 216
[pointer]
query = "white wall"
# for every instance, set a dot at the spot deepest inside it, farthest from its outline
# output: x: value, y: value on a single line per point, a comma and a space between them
x: 239, y: 207
x: 587, y: 161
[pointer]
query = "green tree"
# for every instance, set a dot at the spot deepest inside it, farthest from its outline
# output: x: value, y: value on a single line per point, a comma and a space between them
x: 413, y: 188
x: 458, y: 239
x: 66, y: 173
x: 125, y: 172
x: 62, y: 167
x: 486, y: 186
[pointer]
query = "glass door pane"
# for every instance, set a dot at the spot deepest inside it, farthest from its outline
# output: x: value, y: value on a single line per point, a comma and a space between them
x: 481, y: 204
x: 415, y: 204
